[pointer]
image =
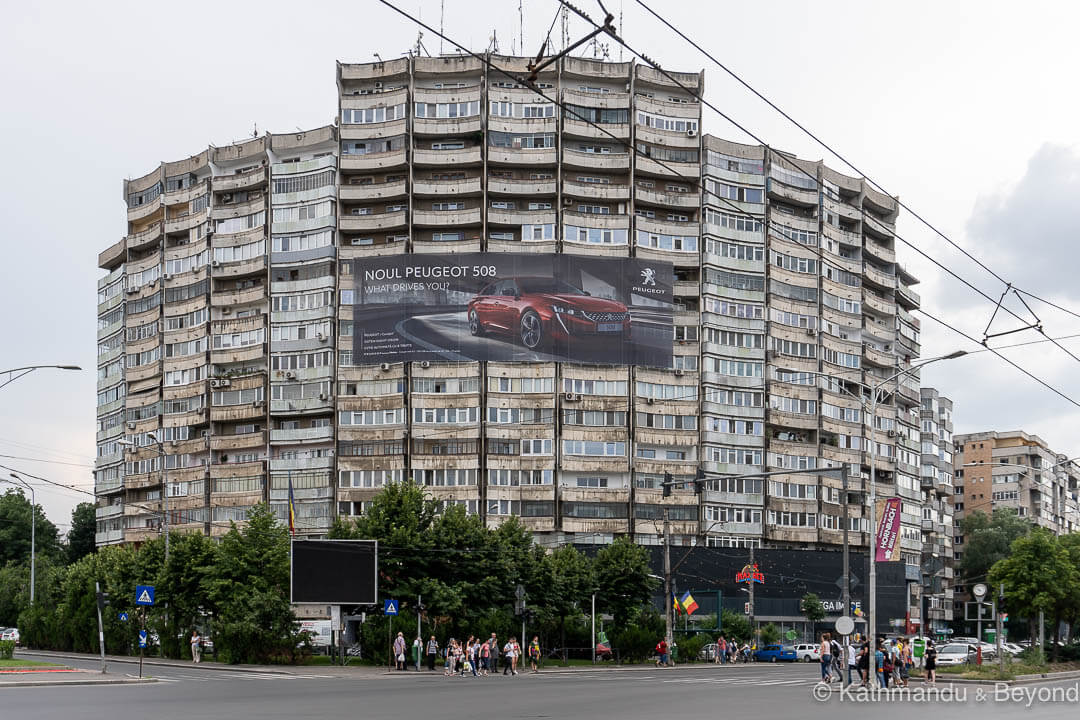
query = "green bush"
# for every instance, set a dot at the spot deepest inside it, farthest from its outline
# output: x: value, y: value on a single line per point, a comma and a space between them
x: 7, y: 649
x: 690, y: 646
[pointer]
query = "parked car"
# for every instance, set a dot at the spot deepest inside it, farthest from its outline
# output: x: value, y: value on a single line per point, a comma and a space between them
x: 536, y: 310
x: 956, y: 654
x: 1012, y: 648
x: 808, y: 652
x: 10, y: 634
x: 772, y: 653
x: 708, y: 652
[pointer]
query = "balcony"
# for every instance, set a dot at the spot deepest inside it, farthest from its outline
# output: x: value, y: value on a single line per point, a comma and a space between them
x: 668, y: 168
x: 373, y: 222
x: 877, y: 226
x: 878, y: 250
x: 113, y: 256
x: 254, y: 266
x: 879, y: 278
x: 671, y: 199
x: 447, y: 218
x: 446, y: 126
x: 877, y: 357
x: 447, y: 188
x: 520, y: 187
x: 186, y: 222
x: 145, y: 210
x: 225, y: 210
x: 447, y: 158
x: 144, y: 238
x: 240, y: 354
x: 879, y: 304
x: 371, y: 191
x: 221, y: 298
x: 238, y: 442
x: 232, y: 413
x: 522, y: 156
x: 790, y: 193
x: 497, y: 216
x: 240, y: 181
x: 598, y: 161
x: 908, y: 296
x: 373, y: 161
x: 185, y: 195
x: 580, y: 128
x: 302, y: 435
x: 597, y: 191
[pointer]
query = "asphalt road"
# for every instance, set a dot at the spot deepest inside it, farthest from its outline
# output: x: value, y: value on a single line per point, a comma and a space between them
x: 755, y: 691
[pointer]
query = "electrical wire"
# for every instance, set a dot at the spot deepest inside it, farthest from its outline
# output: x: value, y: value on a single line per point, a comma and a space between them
x: 42, y: 460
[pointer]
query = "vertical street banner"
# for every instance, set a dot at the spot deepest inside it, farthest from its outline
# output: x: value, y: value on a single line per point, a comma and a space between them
x: 524, y: 307
x: 887, y: 540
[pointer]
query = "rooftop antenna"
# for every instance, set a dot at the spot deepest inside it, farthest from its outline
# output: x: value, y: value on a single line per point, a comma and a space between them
x: 565, y: 27
x: 493, y: 44
x: 620, y: 29
x: 521, y: 25
x: 255, y: 130
x: 442, y: 24
x: 377, y: 58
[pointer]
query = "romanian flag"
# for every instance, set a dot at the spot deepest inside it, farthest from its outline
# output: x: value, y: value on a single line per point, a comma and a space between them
x: 675, y: 602
x: 689, y: 604
x: 292, y: 509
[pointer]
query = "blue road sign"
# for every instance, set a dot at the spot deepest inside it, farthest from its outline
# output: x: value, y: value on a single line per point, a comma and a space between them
x: 390, y: 607
x: 123, y: 617
x: 144, y: 594
x: 142, y: 639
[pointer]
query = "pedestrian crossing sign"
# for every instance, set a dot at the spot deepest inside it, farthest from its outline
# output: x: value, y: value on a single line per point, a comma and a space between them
x: 142, y: 640
x: 390, y: 607
x: 144, y: 594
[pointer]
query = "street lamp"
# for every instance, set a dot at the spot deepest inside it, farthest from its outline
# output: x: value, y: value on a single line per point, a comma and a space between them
x: 871, y: 617
x: 33, y: 524
x: 164, y: 491
x: 29, y: 369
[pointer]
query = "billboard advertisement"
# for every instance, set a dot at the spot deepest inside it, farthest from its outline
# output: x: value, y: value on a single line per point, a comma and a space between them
x: 512, y: 307
x: 334, y: 572
x: 887, y: 542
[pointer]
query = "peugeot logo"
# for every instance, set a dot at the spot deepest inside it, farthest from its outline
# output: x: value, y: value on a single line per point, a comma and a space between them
x: 648, y: 276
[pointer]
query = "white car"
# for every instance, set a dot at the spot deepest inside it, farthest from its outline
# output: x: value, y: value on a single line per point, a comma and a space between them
x: 1012, y: 648
x: 808, y: 652
x: 955, y: 654
x: 10, y: 634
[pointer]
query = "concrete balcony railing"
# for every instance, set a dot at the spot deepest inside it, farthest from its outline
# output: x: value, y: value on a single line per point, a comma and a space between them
x: 465, y: 156
x: 221, y: 298
x: 238, y: 442
x: 240, y: 181
x: 668, y: 168
x: 301, y: 435
x: 223, y: 211
x: 373, y: 191
x: 231, y: 413
x: 446, y: 126
x: 608, y: 100
x: 498, y: 216
x: 144, y: 238
x: 185, y: 195
x: 873, y: 224
x: 186, y: 222
x: 370, y: 223
x: 522, y: 156
x: 906, y: 294
x: 145, y: 210
x: 671, y: 199
x: 878, y: 250
x: 802, y: 196
x: 878, y: 277
x: 876, y: 357
x: 253, y: 266
x: 598, y: 161
x: 580, y: 128
x: 592, y: 220
x: 447, y: 188
x: 878, y: 304
x: 447, y: 218
x: 668, y: 138
x: 239, y: 354
x: 113, y: 256
x: 374, y: 161
x: 596, y: 191
x: 369, y: 131
x: 521, y: 187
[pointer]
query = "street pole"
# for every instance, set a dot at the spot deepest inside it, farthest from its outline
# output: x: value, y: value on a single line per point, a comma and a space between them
x: 593, y: 629
x: 100, y: 626
x: 753, y: 632
x: 871, y: 616
x: 667, y: 582
x: 1000, y: 629
x: 1042, y: 635
x: 419, y: 650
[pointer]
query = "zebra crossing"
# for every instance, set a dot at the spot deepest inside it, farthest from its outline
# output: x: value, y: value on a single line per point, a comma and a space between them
x: 756, y: 680
x: 237, y: 677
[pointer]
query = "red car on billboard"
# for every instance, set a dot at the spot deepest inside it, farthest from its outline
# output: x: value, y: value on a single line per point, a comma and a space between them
x: 537, y: 310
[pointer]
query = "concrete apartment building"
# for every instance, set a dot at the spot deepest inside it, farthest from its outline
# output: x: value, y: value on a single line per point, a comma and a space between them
x: 936, y: 587
x: 1015, y: 470
x: 226, y: 321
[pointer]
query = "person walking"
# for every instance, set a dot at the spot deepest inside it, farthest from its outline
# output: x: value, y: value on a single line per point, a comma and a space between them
x: 662, y: 653
x: 399, y: 651
x: 493, y: 653
x: 852, y: 662
x: 721, y: 650
x: 485, y: 658
x: 880, y: 659
x: 825, y: 652
x: 930, y: 657
x: 534, y: 653
x: 196, y: 647
x: 432, y: 653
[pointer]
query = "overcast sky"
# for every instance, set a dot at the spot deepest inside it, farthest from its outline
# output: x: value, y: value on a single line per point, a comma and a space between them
x: 967, y: 110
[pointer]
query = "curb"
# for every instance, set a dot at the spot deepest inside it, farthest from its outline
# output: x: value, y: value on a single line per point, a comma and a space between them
x: 82, y: 683
x: 254, y: 669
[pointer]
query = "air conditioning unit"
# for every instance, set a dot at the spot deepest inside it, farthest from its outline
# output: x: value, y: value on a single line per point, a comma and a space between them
x: 290, y: 375
x: 226, y: 197
x: 258, y: 403
x: 378, y: 85
x: 226, y: 310
x: 215, y: 263
x: 425, y: 364
x: 131, y: 426
x: 224, y: 382
x: 891, y: 433
x: 570, y: 397
x: 132, y: 290
x: 324, y: 396
x: 167, y: 276
x: 679, y: 372
x: 567, y: 201
x: 691, y: 133
x: 205, y: 433
x: 214, y: 382
x: 811, y: 332
x: 385, y: 367
x: 320, y: 337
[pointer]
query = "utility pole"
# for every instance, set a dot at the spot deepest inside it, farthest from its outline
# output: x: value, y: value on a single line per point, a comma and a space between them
x: 845, y: 596
x: 593, y: 630
x: 1000, y: 627
x: 871, y: 615
x: 667, y: 580
x: 753, y: 633
x: 101, y: 600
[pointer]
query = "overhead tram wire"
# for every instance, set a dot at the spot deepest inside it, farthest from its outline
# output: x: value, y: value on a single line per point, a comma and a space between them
x: 851, y: 165
x: 818, y: 249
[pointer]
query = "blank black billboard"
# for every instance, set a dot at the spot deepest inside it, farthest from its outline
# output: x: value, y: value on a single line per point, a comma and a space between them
x: 335, y: 572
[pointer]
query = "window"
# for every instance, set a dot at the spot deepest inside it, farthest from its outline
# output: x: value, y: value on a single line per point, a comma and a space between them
x: 750, y: 311
x: 594, y: 448
x: 792, y: 519
x: 594, y: 387
x: 594, y: 418
x: 237, y: 397
x: 735, y: 281
x: 370, y: 115
x: 737, y: 398
x: 518, y: 141
x: 447, y: 110
x: 794, y: 264
x: 594, y: 236
x: 305, y: 183
x: 240, y: 224
x: 445, y: 385
x: 296, y: 213
x: 603, y: 116
x: 729, y: 221
x: 738, y: 193
x: 664, y: 391
x: 798, y: 235
x: 734, y: 251
x: 450, y: 416
x: 734, y: 426
x: 678, y: 243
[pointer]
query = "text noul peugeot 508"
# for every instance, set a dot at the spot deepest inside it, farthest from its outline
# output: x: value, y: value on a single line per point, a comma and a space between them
x: 538, y: 310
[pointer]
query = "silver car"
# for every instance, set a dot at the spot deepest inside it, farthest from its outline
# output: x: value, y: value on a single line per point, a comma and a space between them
x: 955, y: 654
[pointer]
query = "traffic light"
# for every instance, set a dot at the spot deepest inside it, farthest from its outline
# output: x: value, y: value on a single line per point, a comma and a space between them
x: 102, y: 600
x: 667, y: 484
x: 699, y: 481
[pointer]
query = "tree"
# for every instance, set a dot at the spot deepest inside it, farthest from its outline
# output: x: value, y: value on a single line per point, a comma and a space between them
x: 769, y: 634
x: 622, y: 577
x: 734, y: 626
x: 1039, y: 576
x: 571, y: 585
x: 987, y: 539
x: 15, y: 538
x: 813, y: 610
x: 82, y: 536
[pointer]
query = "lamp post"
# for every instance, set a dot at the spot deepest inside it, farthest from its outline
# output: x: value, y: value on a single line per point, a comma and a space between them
x: 164, y: 490
x: 29, y: 369
x: 871, y: 617
x: 33, y: 539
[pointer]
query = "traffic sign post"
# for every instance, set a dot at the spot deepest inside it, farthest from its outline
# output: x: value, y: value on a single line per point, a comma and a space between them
x: 123, y: 617
x: 144, y: 595
x: 979, y: 591
x: 390, y: 607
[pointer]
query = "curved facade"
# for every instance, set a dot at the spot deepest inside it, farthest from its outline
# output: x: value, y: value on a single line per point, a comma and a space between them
x: 226, y: 325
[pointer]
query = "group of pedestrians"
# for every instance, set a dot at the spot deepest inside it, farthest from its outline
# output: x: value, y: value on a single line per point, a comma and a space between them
x: 729, y: 651
x: 893, y: 661
x: 474, y: 656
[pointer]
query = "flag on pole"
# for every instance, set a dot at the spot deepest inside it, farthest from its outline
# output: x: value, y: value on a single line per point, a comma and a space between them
x: 675, y: 602
x: 292, y: 508
x: 689, y: 604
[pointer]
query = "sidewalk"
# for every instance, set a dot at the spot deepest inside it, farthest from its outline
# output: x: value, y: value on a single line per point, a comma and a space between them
x: 54, y: 676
